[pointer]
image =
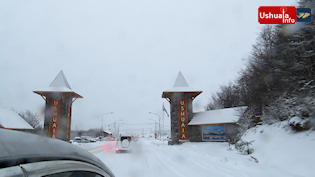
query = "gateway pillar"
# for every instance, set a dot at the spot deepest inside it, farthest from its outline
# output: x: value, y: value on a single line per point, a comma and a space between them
x: 59, y: 98
x: 180, y: 98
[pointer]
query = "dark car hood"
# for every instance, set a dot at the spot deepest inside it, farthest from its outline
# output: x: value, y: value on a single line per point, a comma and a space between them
x: 19, y: 148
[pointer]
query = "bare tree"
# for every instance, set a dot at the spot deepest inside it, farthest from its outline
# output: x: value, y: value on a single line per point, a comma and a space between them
x: 80, y: 133
x: 31, y: 118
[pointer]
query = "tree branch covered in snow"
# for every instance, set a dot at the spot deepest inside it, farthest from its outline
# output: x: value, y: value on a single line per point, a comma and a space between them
x: 278, y: 82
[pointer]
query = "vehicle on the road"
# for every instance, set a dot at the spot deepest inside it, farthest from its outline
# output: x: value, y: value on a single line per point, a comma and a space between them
x: 79, y: 140
x: 124, y: 143
x: 83, y: 139
x: 28, y: 155
x: 88, y: 139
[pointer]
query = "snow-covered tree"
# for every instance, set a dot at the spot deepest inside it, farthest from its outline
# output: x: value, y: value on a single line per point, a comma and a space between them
x: 279, y: 80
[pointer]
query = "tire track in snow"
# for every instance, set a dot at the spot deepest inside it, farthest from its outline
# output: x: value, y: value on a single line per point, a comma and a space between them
x: 180, y: 165
x: 151, y: 159
x: 162, y: 164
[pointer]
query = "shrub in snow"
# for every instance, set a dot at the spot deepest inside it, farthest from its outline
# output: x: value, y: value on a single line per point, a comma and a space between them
x: 254, y: 158
x: 244, y: 147
x: 300, y: 124
x: 295, y: 120
x: 245, y: 122
x: 233, y: 139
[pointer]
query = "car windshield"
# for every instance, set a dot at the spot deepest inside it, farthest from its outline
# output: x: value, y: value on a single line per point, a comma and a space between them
x: 163, y: 88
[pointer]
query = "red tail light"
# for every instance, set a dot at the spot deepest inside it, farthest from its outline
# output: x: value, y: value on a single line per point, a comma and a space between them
x: 117, y: 149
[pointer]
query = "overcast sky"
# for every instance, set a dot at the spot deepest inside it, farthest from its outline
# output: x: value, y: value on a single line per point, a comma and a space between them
x: 120, y: 55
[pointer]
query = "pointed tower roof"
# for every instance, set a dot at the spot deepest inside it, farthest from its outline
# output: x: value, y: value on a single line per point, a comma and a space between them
x: 180, y: 81
x: 181, y: 86
x: 59, y: 84
x: 60, y: 81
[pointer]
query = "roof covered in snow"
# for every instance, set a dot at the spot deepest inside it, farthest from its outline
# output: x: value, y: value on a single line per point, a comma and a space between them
x: 60, y: 81
x: 108, y: 132
x: 180, y: 86
x: 59, y: 84
x: 11, y: 120
x: 180, y: 81
x: 219, y: 116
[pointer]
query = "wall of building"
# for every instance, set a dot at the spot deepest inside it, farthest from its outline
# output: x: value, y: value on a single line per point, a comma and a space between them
x: 195, y: 133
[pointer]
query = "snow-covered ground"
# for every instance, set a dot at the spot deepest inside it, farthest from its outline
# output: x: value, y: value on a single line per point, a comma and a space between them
x: 278, y: 150
x: 281, y: 151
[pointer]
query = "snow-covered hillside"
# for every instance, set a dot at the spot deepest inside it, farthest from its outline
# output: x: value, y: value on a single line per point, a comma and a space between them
x: 278, y: 150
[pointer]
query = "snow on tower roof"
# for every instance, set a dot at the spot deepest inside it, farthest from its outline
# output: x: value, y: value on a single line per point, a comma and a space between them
x: 60, y: 81
x: 219, y: 116
x: 181, y: 86
x: 180, y: 81
x: 11, y: 120
x: 59, y: 84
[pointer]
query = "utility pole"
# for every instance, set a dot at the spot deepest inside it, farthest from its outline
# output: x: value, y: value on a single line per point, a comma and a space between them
x: 103, y: 122
x: 159, y: 123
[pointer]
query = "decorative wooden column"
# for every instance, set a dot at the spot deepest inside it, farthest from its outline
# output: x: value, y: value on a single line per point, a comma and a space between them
x: 180, y: 98
x: 59, y: 98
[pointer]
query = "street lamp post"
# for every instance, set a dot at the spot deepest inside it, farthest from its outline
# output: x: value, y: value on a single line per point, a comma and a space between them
x: 115, y: 127
x: 103, y: 121
x: 159, y: 123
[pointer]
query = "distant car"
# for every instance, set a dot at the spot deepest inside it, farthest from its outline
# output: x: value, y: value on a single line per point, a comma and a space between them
x: 87, y: 139
x: 28, y: 155
x: 93, y: 140
x: 124, y: 143
x: 79, y: 140
x: 76, y: 140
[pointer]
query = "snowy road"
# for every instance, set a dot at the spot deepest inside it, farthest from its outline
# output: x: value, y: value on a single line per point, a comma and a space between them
x: 153, y: 158
x: 279, y: 151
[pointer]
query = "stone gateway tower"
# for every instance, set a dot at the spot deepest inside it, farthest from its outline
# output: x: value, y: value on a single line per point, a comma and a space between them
x: 180, y: 98
x: 59, y: 98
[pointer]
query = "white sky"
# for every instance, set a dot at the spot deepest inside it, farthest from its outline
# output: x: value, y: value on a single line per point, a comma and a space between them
x: 120, y: 55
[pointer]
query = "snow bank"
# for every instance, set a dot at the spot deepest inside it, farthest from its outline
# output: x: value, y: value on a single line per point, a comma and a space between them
x: 280, y: 150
